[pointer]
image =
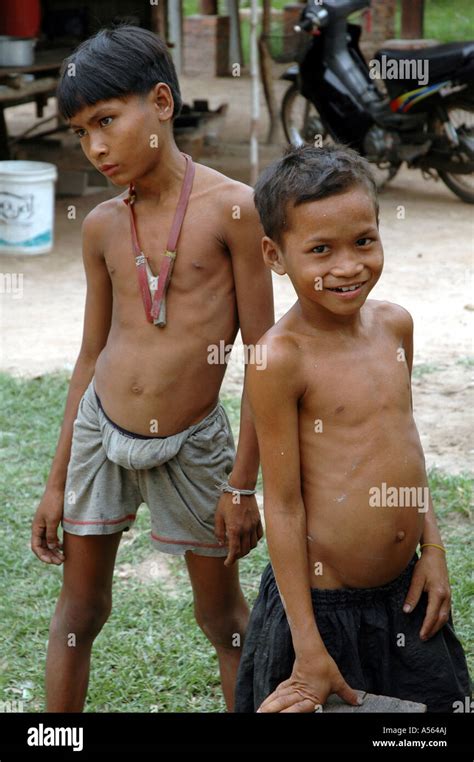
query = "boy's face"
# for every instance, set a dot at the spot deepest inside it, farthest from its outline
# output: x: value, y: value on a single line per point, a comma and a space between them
x: 124, y: 134
x: 330, y: 245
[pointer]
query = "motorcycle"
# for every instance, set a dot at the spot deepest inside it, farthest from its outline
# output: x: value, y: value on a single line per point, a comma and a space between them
x: 424, y: 118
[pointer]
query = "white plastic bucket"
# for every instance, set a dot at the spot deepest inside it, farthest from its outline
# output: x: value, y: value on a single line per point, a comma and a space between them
x: 26, y: 206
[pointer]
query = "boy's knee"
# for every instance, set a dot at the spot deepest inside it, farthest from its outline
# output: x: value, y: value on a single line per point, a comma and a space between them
x: 223, y: 629
x: 82, y: 619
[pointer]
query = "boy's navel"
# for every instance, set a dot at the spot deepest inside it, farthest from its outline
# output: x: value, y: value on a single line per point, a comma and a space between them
x: 400, y: 535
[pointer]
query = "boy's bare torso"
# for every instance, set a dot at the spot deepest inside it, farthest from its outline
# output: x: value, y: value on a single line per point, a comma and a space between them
x: 146, y: 373
x: 356, y: 432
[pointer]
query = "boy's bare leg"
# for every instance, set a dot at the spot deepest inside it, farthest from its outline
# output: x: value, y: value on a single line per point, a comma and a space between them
x: 82, y: 609
x: 221, y: 612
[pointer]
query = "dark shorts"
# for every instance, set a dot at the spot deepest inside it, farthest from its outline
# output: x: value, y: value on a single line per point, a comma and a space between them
x: 374, y: 643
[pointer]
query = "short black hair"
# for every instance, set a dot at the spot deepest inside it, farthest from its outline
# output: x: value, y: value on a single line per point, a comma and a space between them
x: 305, y: 174
x: 117, y: 61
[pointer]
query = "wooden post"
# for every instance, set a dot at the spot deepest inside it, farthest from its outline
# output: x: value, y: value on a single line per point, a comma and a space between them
x: 208, y: 7
x: 4, y: 145
x: 412, y: 19
x: 159, y: 19
x: 175, y: 20
x: 235, y: 46
x: 255, y: 93
x: 266, y: 73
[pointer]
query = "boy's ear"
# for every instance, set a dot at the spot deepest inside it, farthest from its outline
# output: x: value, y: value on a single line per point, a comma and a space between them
x: 272, y: 256
x: 163, y: 100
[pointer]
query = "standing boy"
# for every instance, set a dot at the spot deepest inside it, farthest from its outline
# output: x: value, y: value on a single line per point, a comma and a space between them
x: 173, y: 268
x: 347, y: 605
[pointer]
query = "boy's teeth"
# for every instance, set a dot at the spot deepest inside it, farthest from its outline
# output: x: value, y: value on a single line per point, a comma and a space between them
x: 347, y: 288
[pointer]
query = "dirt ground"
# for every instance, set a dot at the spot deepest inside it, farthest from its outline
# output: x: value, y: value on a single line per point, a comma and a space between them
x: 427, y: 270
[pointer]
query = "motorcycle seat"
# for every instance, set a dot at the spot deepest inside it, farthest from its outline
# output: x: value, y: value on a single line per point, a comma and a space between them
x: 443, y: 59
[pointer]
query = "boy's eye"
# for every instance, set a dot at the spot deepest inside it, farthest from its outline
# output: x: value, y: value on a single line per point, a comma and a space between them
x: 104, y: 119
x: 79, y: 133
x: 363, y: 241
x: 320, y: 249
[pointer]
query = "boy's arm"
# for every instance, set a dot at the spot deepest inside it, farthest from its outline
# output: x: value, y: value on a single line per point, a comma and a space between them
x: 274, y: 394
x: 431, y: 572
x: 44, y: 542
x: 254, y: 295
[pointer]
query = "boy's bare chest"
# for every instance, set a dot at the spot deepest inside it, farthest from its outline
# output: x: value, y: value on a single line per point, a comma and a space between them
x: 350, y: 386
x: 202, y: 260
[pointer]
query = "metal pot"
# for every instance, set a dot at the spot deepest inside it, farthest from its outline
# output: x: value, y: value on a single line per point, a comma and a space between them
x: 17, y: 51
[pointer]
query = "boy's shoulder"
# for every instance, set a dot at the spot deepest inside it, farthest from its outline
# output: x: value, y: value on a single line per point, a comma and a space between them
x: 282, y: 345
x: 393, y: 315
x: 102, y: 213
x: 282, y: 341
x: 225, y: 190
x: 96, y: 224
x: 210, y: 184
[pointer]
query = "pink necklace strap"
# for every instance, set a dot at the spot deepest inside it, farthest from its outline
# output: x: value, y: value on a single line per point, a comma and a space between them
x: 156, y: 311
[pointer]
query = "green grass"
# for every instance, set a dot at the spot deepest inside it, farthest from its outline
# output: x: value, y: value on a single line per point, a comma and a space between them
x: 424, y: 369
x: 468, y: 362
x: 445, y: 21
x: 150, y: 656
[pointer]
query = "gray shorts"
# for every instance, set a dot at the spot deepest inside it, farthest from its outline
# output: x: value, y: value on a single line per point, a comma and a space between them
x: 111, y: 472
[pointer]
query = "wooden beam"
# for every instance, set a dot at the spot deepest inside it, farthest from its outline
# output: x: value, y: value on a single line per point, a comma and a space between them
x: 175, y: 34
x: 159, y: 19
x: 266, y: 20
x: 255, y: 112
x: 4, y: 146
x: 266, y: 73
x: 412, y: 19
x: 208, y: 7
x: 235, y: 46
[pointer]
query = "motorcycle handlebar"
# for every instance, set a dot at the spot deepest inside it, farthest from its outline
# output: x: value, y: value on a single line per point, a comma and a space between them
x: 312, y: 18
x: 329, y: 11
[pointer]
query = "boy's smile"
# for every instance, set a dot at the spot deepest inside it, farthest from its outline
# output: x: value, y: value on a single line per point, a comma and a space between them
x: 331, y: 251
x: 348, y: 292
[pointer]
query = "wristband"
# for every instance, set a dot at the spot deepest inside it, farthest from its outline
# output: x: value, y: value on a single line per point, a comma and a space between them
x: 226, y: 487
x: 432, y: 545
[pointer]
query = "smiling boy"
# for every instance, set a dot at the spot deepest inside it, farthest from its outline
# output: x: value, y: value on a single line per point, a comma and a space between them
x: 347, y: 604
x: 173, y: 268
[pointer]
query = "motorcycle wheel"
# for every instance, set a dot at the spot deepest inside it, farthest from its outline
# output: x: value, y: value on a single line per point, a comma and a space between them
x: 462, y: 118
x: 302, y: 124
x: 300, y: 119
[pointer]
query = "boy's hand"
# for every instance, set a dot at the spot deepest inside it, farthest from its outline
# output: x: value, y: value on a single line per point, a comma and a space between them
x: 308, y: 688
x: 45, y: 542
x: 238, y: 525
x: 431, y: 576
